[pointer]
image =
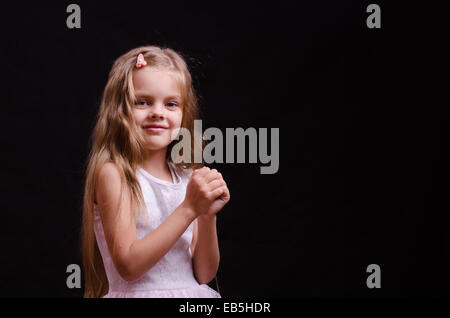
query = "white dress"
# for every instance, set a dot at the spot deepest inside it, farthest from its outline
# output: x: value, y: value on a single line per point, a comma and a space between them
x: 173, y: 275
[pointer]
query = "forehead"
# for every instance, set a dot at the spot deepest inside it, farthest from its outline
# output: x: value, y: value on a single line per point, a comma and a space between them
x: 155, y: 82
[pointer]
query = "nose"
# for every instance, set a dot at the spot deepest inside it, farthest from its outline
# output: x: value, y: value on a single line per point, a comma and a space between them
x: 157, y: 111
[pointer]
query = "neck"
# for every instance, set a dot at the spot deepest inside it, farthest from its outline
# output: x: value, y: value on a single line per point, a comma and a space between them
x: 155, y: 163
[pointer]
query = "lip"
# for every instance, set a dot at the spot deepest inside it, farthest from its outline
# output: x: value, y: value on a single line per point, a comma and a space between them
x: 154, y: 128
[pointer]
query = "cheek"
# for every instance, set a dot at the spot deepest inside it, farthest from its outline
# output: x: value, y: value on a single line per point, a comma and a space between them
x: 138, y: 117
x: 177, y: 118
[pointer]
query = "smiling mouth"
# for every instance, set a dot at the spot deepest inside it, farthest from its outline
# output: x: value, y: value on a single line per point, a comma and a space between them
x: 154, y: 129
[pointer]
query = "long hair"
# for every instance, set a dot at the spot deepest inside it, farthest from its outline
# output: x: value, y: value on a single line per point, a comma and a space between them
x: 116, y: 139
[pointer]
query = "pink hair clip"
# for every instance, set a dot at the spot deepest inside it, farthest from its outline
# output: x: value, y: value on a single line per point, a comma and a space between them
x: 140, y: 61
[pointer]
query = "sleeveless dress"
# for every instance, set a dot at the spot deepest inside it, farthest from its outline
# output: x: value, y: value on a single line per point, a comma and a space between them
x: 173, y: 275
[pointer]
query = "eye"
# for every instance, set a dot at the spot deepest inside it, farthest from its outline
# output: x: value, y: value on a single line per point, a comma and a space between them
x: 141, y: 103
x: 172, y: 104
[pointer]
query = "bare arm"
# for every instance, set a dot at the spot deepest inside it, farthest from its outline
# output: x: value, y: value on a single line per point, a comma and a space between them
x: 131, y: 256
x: 206, y: 255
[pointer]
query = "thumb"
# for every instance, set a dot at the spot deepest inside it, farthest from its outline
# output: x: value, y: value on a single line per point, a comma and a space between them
x: 218, y: 192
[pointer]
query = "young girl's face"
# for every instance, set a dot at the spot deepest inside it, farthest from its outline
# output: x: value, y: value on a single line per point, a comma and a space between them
x: 158, y: 111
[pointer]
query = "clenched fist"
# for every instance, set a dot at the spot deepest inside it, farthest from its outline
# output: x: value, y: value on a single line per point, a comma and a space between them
x: 206, y: 192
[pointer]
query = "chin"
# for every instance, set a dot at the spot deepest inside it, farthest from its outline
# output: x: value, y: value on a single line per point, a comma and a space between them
x: 156, y: 146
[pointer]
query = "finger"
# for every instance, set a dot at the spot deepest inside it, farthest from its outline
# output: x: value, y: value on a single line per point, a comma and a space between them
x: 212, y: 175
x: 217, y: 193
x: 202, y: 171
x: 226, y: 194
x: 217, y: 183
x: 199, y: 173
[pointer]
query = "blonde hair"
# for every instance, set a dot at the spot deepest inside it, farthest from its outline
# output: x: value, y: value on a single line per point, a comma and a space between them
x: 116, y: 139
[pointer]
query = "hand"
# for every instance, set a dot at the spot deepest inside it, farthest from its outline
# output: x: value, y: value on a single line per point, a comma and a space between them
x: 220, y: 201
x: 206, y: 192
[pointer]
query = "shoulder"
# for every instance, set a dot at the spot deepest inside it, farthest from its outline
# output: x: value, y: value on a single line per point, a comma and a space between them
x: 108, y: 181
x: 108, y: 172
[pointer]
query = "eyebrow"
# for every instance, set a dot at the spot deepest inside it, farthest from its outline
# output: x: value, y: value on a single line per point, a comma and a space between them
x: 137, y: 94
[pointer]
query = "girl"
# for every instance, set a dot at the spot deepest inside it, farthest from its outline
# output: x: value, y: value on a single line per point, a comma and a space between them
x: 149, y: 224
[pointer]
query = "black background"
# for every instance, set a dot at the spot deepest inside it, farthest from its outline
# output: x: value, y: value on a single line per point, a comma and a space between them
x: 362, y: 116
